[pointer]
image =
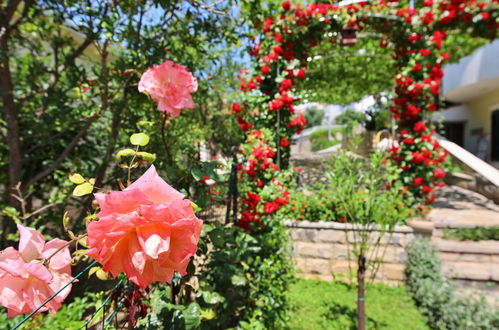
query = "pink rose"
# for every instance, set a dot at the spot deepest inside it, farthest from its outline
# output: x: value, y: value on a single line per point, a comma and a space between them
x: 147, y: 231
x: 170, y: 85
x: 25, y: 282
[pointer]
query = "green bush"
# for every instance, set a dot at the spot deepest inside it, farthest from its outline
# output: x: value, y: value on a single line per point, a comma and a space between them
x: 473, y: 234
x: 318, y: 305
x: 434, y: 294
x: 250, y: 273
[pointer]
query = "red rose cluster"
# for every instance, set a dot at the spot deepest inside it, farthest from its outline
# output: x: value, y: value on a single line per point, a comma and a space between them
x: 258, y: 172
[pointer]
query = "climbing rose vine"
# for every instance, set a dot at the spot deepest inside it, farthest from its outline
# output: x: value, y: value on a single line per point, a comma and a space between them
x: 417, y: 38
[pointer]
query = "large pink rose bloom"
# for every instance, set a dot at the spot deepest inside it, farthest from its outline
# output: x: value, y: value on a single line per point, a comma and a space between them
x: 170, y: 85
x: 25, y: 283
x: 147, y: 231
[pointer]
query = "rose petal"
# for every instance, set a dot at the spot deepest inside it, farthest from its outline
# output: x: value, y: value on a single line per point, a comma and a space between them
x: 31, y: 243
x: 155, y: 188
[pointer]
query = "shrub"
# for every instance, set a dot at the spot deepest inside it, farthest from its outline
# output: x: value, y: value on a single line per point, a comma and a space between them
x: 473, y: 234
x: 434, y: 293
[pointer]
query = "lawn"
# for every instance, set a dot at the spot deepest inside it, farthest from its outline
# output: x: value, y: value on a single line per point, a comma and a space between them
x: 318, y: 304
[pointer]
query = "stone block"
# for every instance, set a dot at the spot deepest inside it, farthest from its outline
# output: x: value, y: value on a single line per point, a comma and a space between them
x: 472, y: 257
x: 313, y: 266
x: 340, y: 252
x: 305, y: 235
x: 340, y: 266
x: 393, y: 271
x: 468, y: 270
x: 314, y: 250
x: 483, y: 247
x: 394, y: 254
x: 330, y: 236
x: 449, y: 256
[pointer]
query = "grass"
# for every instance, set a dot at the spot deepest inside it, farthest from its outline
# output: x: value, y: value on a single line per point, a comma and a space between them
x: 318, y: 305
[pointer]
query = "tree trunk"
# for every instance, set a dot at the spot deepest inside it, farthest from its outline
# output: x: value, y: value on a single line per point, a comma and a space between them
x: 361, y: 308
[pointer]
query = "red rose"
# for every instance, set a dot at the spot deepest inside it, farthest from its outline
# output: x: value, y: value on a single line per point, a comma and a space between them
x: 236, y: 107
x: 275, y: 105
x: 424, y: 52
x: 270, y: 207
x: 427, y: 189
x: 418, y: 181
x: 419, y: 126
x: 284, y: 142
x: 286, y: 5
x: 265, y: 69
x: 301, y: 74
x: 417, y: 158
x: 485, y: 16
x: 439, y: 173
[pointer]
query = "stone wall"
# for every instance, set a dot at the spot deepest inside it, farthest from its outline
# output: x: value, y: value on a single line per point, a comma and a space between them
x: 321, y: 251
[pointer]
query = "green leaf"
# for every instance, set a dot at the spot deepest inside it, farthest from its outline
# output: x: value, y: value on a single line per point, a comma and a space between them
x: 148, y: 157
x: 197, y: 174
x: 208, y: 314
x: 212, y: 297
x: 139, y: 139
x: 238, y: 280
x: 192, y: 316
x: 76, y: 178
x: 124, y: 153
x: 83, y: 189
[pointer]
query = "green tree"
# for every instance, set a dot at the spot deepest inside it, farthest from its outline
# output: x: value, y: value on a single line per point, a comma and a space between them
x: 314, y: 117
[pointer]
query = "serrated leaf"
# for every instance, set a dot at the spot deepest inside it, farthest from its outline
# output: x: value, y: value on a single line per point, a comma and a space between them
x: 83, y: 189
x: 76, y: 178
x: 148, y: 157
x: 124, y: 153
x: 139, y: 139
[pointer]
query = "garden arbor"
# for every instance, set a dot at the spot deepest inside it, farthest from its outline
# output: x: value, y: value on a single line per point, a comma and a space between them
x: 417, y: 37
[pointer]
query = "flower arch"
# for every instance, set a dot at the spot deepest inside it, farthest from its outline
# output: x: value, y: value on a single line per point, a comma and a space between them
x: 416, y: 36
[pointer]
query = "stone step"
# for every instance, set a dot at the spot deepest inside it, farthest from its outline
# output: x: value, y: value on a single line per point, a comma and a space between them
x: 470, y: 247
x: 451, y: 218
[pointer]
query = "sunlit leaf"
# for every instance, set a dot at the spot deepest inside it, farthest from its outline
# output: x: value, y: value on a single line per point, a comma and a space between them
x: 76, y: 178
x: 139, y: 139
x: 83, y: 189
x: 148, y: 157
x: 124, y: 153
